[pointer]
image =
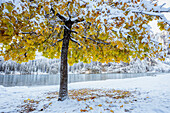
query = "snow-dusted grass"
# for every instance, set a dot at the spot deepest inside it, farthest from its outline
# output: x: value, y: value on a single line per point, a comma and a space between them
x: 150, y: 94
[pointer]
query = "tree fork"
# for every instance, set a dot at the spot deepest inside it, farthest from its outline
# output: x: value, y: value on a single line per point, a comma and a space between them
x: 63, y: 92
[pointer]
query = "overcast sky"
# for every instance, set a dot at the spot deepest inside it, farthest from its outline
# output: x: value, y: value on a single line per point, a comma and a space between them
x: 167, y: 15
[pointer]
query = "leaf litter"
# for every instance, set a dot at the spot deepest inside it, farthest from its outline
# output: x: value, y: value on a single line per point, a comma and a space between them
x: 89, y: 100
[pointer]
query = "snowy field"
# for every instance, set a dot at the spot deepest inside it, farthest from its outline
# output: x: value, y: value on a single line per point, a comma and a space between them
x: 150, y: 94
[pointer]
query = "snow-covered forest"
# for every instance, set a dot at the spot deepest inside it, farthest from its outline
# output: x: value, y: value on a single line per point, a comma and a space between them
x: 52, y: 66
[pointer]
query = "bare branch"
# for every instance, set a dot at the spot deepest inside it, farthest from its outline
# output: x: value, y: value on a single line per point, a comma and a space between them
x: 162, y: 10
x: 76, y: 20
x: 69, y: 14
x: 74, y: 31
x: 75, y: 41
x: 59, y: 15
x: 147, y: 13
x: 162, y: 5
x: 28, y: 33
x: 165, y: 20
x: 25, y: 54
x: 53, y: 11
x: 97, y: 41
x: 70, y: 29
x: 154, y: 14
x: 59, y: 40
x: 68, y: 5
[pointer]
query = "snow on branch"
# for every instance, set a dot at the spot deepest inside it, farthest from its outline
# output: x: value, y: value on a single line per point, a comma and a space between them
x: 75, y: 41
x: 28, y: 33
x: 153, y: 14
x: 69, y: 14
x: 58, y: 40
x: 163, y: 10
x: 96, y: 41
x: 70, y: 29
x: 147, y: 13
x: 59, y: 15
x: 76, y: 20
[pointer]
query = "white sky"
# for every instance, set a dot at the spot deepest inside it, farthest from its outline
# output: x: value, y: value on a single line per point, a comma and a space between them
x: 167, y: 15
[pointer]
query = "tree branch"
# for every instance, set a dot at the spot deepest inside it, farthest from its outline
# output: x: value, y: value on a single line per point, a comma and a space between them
x: 58, y: 14
x: 70, y: 29
x: 69, y: 14
x: 162, y: 5
x: 75, y: 41
x: 147, y: 13
x: 154, y: 14
x: 68, y: 5
x: 28, y: 33
x: 59, y: 40
x: 97, y: 41
x: 76, y: 20
x: 61, y: 17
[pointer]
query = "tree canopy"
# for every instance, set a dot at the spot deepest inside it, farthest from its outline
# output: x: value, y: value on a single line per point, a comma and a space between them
x: 102, y: 30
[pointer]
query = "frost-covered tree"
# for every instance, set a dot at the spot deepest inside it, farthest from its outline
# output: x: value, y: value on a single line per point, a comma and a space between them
x: 80, y: 30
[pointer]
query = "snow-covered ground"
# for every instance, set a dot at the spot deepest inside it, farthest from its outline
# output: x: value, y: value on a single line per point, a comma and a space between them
x: 150, y: 94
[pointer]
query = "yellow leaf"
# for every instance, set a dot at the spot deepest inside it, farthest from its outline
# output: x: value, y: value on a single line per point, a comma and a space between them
x: 9, y: 8
x: 100, y: 105
x: 83, y: 110
x: 8, y: 47
x: 91, y: 108
x: 78, y: 98
x: 120, y: 45
x: 46, y: 8
x: 112, y: 111
x: 25, y: 101
x: 50, y: 103
x: 121, y: 106
x: 29, y: 41
x: 110, y: 28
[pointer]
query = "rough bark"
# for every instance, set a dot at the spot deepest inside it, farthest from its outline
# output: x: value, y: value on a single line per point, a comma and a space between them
x: 63, y: 92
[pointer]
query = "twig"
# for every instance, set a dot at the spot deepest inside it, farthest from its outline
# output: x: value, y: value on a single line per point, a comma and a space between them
x: 59, y: 40
x: 28, y: 32
x: 97, y: 41
x: 75, y: 41
x: 59, y: 15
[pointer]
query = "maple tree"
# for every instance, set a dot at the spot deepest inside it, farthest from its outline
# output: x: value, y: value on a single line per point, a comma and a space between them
x: 80, y: 30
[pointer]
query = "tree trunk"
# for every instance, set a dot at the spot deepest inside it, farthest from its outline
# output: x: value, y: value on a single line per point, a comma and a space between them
x: 63, y: 92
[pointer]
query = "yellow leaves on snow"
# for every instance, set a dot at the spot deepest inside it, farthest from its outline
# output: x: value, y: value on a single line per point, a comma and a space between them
x: 83, y: 110
x: 91, y: 108
x: 100, y: 105
x: 111, y: 111
x: 121, y: 106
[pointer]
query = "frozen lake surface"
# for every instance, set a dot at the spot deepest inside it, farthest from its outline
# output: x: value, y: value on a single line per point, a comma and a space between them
x: 36, y: 80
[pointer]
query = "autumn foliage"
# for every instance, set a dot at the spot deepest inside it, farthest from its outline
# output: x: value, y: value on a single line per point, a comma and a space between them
x: 104, y: 32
